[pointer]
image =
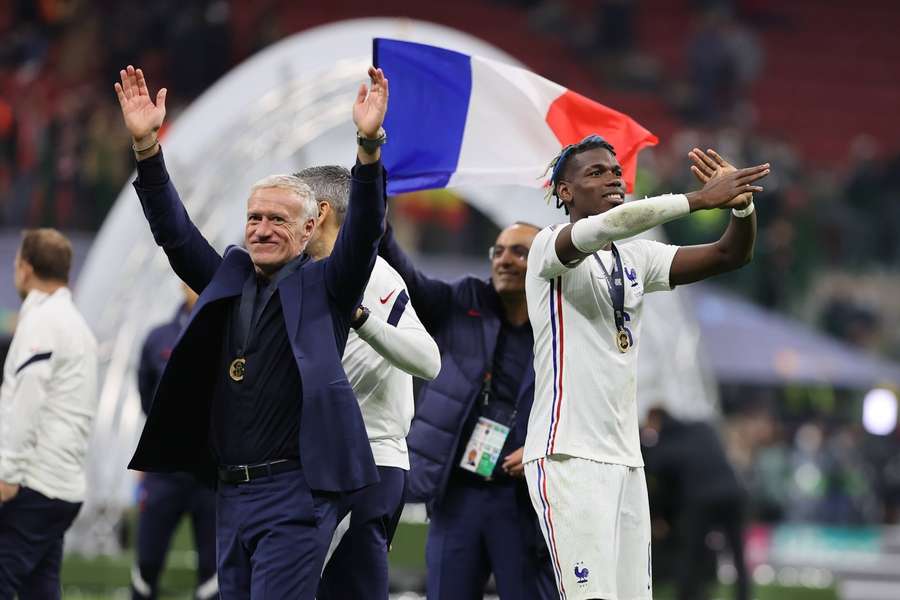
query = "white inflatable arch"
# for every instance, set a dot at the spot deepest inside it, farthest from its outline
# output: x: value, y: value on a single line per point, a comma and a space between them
x: 284, y: 108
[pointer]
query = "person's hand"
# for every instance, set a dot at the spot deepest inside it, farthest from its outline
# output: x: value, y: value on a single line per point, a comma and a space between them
x: 142, y: 116
x: 707, y: 165
x: 8, y: 491
x: 512, y: 463
x: 371, y: 104
x: 724, y: 189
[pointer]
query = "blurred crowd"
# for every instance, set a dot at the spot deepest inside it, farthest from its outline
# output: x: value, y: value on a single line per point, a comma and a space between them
x: 828, y: 241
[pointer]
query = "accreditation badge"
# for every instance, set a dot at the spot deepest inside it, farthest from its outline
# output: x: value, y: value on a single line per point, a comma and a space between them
x: 484, y: 447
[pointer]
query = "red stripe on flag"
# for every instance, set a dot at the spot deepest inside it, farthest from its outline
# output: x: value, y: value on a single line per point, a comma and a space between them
x: 572, y: 117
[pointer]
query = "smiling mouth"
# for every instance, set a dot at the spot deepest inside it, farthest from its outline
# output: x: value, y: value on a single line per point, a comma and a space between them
x: 615, y: 197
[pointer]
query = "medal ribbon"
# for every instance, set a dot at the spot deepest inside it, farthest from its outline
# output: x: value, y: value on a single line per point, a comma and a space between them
x: 616, y: 287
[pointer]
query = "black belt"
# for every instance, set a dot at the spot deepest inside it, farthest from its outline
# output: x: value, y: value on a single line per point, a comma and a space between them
x: 245, y: 473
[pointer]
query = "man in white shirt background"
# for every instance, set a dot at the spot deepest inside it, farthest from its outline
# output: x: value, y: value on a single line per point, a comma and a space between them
x: 387, y: 345
x: 585, y: 298
x: 47, y: 406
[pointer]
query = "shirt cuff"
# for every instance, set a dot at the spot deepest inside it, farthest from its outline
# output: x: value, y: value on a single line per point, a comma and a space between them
x: 371, y: 328
x: 152, y: 171
x: 369, y: 172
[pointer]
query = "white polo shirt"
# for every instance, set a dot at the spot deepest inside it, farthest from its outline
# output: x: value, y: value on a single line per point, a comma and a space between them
x: 49, y: 398
x: 585, y: 402
x: 379, y: 360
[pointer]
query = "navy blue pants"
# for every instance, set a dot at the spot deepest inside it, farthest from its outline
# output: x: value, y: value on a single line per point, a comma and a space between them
x: 359, y: 566
x: 165, y: 498
x: 482, y: 528
x: 32, y: 527
x: 272, y: 535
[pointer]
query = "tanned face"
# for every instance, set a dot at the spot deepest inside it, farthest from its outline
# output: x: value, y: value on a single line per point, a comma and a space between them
x: 276, y: 231
x: 592, y: 183
x: 510, y: 258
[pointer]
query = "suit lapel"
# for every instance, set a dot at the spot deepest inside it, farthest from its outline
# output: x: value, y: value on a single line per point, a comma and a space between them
x: 228, y: 280
x: 290, y: 289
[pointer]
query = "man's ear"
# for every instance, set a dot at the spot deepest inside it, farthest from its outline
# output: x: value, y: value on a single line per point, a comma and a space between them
x: 563, y: 191
x: 324, y: 211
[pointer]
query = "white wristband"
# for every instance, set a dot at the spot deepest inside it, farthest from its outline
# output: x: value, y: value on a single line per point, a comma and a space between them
x: 744, y: 212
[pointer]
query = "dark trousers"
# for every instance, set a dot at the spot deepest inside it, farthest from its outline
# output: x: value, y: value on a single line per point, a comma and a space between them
x: 359, y: 566
x: 272, y: 535
x: 483, y: 528
x: 165, y: 498
x: 32, y: 527
x: 726, y: 515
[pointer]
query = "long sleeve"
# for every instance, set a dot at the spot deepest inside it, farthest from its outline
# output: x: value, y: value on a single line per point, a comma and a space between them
x: 192, y: 258
x: 19, y: 423
x: 432, y: 297
x: 348, y: 267
x: 407, y: 345
x: 22, y: 399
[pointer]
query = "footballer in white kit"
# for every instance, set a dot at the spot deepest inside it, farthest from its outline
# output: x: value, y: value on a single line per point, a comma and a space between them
x: 585, y: 298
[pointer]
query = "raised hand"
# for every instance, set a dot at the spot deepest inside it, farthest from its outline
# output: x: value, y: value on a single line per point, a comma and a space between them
x: 371, y: 104
x: 142, y: 116
x: 708, y: 165
x: 724, y: 189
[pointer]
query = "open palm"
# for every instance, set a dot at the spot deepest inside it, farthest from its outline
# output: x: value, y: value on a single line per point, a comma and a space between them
x: 371, y: 104
x: 142, y: 116
x: 708, y: 165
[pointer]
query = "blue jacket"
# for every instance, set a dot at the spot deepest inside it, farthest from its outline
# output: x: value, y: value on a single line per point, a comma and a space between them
x: 155, y: 354
x: 317, y: 301
x: 464, y: 318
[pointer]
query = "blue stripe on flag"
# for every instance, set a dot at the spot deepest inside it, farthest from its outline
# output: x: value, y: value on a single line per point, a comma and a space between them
x: 430, y: 89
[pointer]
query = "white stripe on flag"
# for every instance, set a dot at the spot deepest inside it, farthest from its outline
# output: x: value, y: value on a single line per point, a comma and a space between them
x: 507, y: 139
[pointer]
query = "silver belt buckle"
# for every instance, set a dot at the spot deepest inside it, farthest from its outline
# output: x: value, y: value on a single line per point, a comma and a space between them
x: 246, y: 474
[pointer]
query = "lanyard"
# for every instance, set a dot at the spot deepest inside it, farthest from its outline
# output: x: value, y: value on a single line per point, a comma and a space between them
x: 616, y: 287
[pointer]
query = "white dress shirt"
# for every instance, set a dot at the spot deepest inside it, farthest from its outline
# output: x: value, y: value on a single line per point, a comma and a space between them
x: 379, y: 360
x: 48, y: 398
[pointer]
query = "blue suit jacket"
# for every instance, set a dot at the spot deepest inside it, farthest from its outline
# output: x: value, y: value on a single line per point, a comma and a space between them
x: 464, y: 318
x: 317, y: 302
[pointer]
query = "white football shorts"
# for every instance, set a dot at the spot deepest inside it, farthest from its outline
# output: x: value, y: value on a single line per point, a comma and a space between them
x: 596, y: 521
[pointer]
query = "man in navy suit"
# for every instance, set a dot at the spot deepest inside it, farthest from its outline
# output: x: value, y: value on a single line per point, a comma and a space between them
x: 254, y: 394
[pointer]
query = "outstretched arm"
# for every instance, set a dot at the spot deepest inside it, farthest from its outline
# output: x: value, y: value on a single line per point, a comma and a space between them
x: 584, y: 237
x: 734, y: 249
x: 191, y: 256
x: 348, y: 267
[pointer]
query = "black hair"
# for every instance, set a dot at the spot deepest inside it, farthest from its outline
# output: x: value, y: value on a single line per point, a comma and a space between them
x: 557, y: 166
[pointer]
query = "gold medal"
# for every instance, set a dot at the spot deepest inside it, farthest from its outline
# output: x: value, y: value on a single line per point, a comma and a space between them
x: 622, y: 342
x: 237, y: 368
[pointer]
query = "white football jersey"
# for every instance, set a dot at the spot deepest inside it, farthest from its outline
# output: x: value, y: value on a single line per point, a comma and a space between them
x: 585, y: 402
x: 384, y: 392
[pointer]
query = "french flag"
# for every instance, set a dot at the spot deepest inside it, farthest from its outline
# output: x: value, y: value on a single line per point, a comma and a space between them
x: 455, y: 119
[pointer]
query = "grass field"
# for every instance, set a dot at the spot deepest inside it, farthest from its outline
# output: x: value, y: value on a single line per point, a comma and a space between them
x: 107, y: 578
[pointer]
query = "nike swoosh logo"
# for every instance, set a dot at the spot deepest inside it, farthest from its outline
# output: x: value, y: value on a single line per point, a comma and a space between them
x: 386, y: 298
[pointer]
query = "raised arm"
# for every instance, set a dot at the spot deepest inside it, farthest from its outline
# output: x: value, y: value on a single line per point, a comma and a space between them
x: 191, y: 256
x: 584, y: 237
x: 348, y: 267
x: 432, y: 296
x: 731, y: 251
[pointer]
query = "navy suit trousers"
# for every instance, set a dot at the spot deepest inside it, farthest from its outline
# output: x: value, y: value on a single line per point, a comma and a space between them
x: 272, y: 535
x: 32, y: 527
x: 482, y: 528
x: 359, y: 566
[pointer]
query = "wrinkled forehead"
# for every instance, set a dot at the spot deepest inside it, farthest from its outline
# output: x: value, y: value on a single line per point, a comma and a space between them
x: 521, y: 235
x: 274, y: 200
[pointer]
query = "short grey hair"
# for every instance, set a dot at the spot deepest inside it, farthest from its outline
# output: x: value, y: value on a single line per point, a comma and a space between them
x: 331, y: 184
x: 296, y: 186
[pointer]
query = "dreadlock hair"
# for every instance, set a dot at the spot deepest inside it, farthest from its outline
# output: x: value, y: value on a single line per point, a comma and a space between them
x: 557, y: 166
